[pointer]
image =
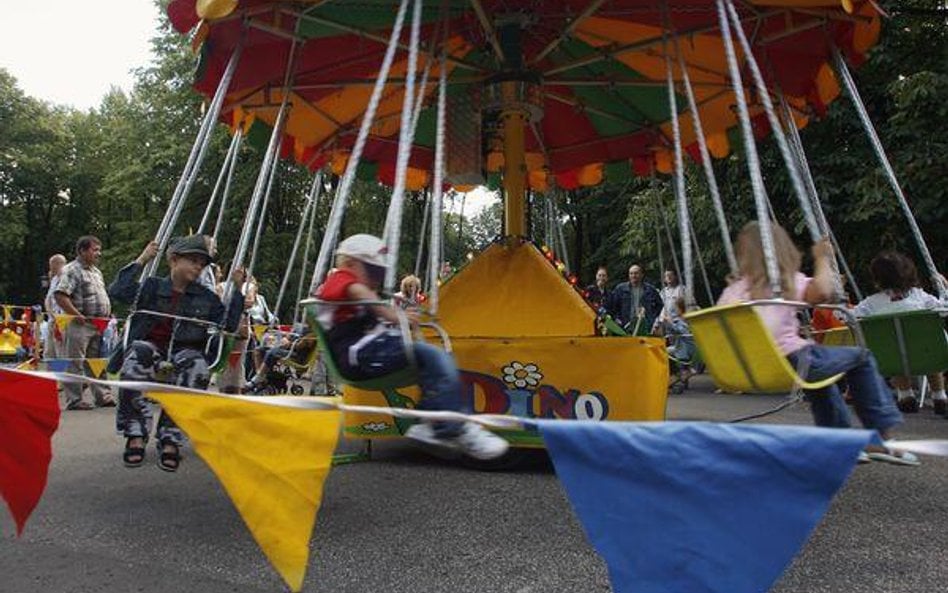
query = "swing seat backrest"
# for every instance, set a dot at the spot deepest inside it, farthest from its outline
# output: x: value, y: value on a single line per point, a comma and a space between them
x: 740, y: 353
x: 908, y: 343
x: 837, y: 336
x: 401, y: 378
x: 223, y: 359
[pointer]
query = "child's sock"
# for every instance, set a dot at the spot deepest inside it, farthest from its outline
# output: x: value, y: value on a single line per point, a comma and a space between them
x: 939, y: 395
x: 905, y: 394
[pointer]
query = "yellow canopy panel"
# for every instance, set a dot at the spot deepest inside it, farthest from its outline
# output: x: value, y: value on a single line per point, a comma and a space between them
x: 513, y: 292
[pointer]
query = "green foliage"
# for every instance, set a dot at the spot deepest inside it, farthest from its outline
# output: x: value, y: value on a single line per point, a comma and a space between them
x: 112, y: 170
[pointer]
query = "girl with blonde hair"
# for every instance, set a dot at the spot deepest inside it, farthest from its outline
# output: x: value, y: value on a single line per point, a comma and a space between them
x: 873, y: 402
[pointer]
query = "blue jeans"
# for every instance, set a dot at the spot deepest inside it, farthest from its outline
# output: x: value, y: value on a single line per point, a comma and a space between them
x: 871, y: 396
x: 437, y: 375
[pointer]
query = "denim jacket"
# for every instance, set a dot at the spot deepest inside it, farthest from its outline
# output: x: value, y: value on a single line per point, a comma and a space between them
x: 197, y: 302
x: 620, y: 305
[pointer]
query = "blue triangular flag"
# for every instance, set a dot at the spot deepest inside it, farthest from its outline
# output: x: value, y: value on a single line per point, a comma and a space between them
x: 696, y: 507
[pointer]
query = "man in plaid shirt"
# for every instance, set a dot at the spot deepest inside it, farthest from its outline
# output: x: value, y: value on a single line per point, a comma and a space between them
x: 81, y: 292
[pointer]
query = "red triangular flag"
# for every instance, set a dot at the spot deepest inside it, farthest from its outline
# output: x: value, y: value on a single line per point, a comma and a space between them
x: 29, y: 415
x: 100, y: 323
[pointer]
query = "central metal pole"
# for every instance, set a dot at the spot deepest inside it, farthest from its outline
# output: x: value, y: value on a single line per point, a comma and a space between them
x: 515, y: 168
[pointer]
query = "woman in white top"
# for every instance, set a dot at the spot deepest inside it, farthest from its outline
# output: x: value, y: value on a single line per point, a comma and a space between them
x: 896, y: 278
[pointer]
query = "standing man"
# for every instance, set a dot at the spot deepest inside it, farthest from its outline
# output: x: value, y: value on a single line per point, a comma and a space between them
x: 672, y: 290
x: 597, y: 294
x: 635, y: 304
x: 51, y: 345
x: 81, y: 292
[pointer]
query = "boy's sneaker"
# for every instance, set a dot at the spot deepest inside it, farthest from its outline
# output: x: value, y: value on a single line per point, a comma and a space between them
x: 423, y: 432
x: 480, y: 443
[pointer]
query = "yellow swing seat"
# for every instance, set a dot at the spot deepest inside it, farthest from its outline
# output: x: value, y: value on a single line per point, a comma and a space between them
x: 741, y: 354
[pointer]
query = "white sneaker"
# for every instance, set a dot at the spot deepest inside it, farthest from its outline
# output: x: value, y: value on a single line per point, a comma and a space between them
x: 480, y: 443
x: 424, y: 433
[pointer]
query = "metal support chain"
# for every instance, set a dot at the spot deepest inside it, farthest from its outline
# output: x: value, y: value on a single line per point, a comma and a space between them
x: 423, y: 234
x: 753, y: 159
x: 776, y: 129
x: 304, y: 264
x: 270, y: 157
x: 340, y: 202
x: 800, y: 160
x: 707, y: 165
x: 308, y: 211
x: 436, y: 243
x: 225, y: 167
x: 239, y: 135
x: 684, y: 219
x: 843, y: 74
x: 393, y: 221
x: 195, y: 159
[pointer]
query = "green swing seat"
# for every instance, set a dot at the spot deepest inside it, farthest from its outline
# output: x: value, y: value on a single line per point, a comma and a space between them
x: 401, y: 378
x: 909, y: 343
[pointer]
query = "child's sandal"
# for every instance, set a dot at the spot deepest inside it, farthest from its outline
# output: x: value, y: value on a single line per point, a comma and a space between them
x: 169, y: 460
x: 133, y: 456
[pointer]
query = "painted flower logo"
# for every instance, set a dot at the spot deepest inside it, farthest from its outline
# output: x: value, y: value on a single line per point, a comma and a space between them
x: 519, y: 375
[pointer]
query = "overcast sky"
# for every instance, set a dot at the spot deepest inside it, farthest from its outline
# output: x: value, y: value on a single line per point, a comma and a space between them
x: 72, y: 51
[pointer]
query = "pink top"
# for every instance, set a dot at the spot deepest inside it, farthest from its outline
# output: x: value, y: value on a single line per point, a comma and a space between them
x: 782, y: 321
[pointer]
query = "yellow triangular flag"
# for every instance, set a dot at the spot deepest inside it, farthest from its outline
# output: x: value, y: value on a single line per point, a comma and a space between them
x: 62, y: 321
x: 271, y: 460
x: 97, y: 366
x: 259, y: 330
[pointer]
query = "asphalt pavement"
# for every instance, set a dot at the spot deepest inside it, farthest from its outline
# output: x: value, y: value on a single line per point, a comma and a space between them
x: 408, y: 522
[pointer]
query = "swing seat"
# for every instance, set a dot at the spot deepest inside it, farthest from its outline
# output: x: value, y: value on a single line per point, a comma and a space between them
x: 837, y: 336
x: 401, y: 378
x: 223, y: 356
x: 909, y: 343
x: 741, y: 355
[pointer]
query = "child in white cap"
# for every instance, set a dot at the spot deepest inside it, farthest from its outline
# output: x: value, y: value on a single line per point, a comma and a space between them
x: 364, y: 348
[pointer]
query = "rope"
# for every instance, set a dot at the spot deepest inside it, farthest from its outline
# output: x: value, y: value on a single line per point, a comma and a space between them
x: 684, y: 220
x: 334, y: 223
x: 707, y: 165
x: 843, y: 74
x: 193, y: 165
x: 775, y: 126
x: 753, y: 160
x: 304, y: 264
x: 308, y: 210
x: 436, y: 243
x: 239, y: 134
x: 393, y: 222
x: 217, y: 185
